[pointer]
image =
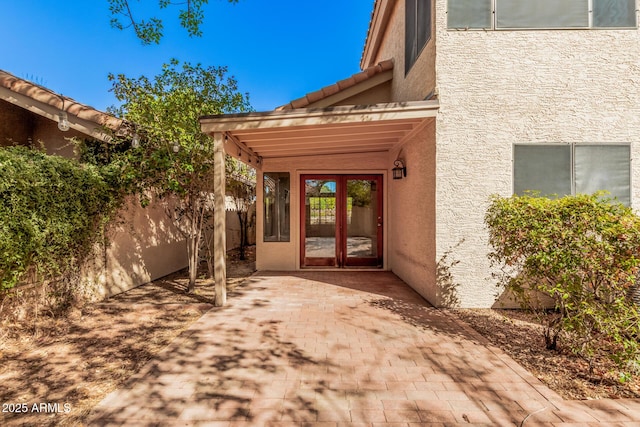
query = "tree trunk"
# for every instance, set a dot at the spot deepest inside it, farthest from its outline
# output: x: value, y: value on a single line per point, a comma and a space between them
x: 193, y: 244
x: 192, y: 251
x: 243, y: 233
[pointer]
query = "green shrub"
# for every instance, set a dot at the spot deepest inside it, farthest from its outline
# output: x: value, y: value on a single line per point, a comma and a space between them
x: 52, y: 210
x: 584, y: 253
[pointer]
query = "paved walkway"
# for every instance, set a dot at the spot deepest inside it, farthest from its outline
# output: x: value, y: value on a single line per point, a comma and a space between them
x: 337, y: 349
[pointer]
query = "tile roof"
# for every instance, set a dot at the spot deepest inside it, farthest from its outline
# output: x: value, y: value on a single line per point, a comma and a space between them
x: 369, y: 29
x: 48, y: 97
x: 327, y: 91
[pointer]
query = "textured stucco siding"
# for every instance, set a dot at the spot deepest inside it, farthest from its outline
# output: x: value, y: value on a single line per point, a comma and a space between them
x: 144, y: 245
x: 420, y: 81
x: 412, y: 214
x: 497, y: 88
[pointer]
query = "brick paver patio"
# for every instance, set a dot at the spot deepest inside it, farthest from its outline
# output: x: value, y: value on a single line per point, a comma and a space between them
x: 340, y: 349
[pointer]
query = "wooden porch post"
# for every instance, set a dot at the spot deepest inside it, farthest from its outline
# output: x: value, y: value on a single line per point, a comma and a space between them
x: 219, y: 225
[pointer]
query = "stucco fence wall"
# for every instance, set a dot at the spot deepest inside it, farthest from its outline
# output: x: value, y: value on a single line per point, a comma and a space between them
x: 497, y: 88
x: 144, y: 245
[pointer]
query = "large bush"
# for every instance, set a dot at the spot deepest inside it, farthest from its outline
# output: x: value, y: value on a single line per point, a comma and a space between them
x: 582, y: 252
x: 52, y: 210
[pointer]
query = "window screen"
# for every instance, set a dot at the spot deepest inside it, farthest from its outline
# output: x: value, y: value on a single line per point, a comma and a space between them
x: 417, y: 29
x: 614, y: 13
x: 603, y: 167
x: 424, y: 23
x: 542, y: 168
x: 276, y: 207
x: 469, y: 14
x: 542, y: 14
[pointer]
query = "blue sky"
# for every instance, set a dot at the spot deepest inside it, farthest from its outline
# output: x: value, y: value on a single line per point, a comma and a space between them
x: 277, y: 50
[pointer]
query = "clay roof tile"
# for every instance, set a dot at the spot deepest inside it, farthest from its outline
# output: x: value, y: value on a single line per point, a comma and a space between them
x: 327, y: 91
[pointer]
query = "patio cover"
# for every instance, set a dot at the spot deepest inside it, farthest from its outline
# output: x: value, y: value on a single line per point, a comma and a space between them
x: 251, y: 137
x: 319, y: 131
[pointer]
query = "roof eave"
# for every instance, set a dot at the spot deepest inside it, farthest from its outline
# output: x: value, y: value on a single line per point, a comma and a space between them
x: 377, y: 26
x: 46, y: 103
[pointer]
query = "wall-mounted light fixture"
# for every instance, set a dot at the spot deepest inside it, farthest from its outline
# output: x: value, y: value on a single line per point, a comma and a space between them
x: 63, y: 119
x: 400, y: 170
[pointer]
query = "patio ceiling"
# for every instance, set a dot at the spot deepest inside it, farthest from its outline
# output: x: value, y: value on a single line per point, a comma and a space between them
x: 312, y: 132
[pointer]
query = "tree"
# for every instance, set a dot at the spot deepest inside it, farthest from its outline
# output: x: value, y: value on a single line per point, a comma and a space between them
x: 174, y: 158
x: 151, y: 30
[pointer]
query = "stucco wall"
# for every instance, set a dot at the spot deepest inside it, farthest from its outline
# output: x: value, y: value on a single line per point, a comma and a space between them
x: 143, y: 246
x: 20, y: 127
x: 376, y: 95
x: 420, y: 81
x: 285, y: 256
x: 15, y: 124
x: 233, y: 228
x: 55, y: 142
x: 497, y: 88
x: 412, y: 215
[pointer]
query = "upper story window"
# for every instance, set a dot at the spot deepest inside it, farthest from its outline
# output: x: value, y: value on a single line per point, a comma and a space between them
x: 540, y: 14
x: 417, y: 30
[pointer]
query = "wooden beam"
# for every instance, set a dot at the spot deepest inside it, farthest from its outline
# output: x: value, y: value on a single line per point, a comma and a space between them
x: 327, y: 129
x: 335, y: 144
x: 268, y: 154
x: 320, y: 137
x: 318, y: 117
x: 219, y: 222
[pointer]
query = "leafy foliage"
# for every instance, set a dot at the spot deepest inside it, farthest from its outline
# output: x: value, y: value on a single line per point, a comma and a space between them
x: 175, y: 158
x: 151, y: 30
x: 581, y: 251
x: 52, y: 210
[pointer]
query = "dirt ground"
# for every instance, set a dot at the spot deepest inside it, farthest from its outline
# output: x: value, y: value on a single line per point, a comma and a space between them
x: 76, y: 361
x: 79, y: 359
x: 517, y: 334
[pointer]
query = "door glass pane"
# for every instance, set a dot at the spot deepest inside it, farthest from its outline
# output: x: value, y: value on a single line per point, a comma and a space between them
x: 362, y: 218
x: 320, y: 225
x: 542, y: 168
x: 604, y: 167
x: 542, y: 14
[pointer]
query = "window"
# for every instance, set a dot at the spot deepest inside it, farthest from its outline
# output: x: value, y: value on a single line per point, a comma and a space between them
x: 276, y: 206
x: 540, y: 14
x: 543, y: 168
x: 614, y: 13
x: 467, y: 14
x: 417, y: 30
x: 559, y: 170
x: 603, y: 167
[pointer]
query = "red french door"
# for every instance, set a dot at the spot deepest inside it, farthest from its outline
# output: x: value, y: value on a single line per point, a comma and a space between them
x: 341, y: 220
